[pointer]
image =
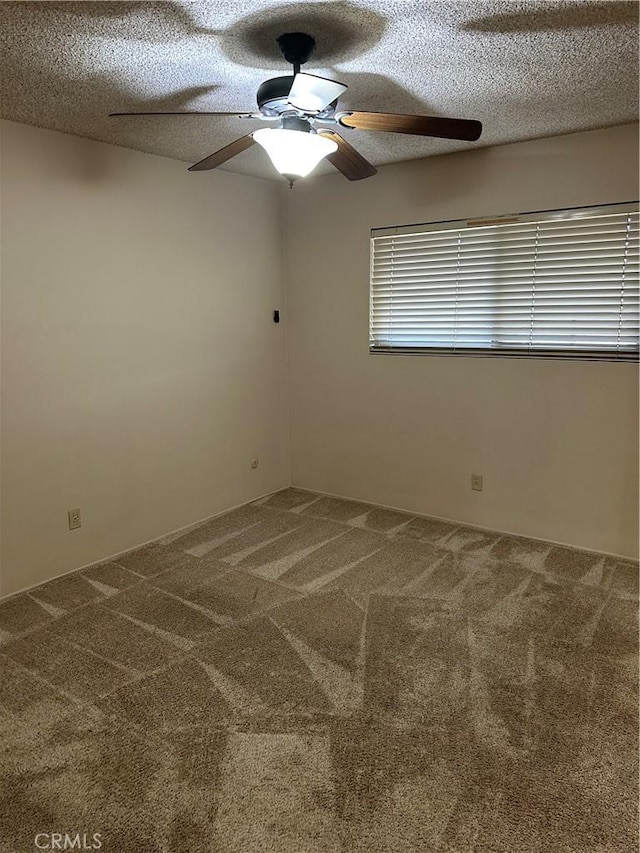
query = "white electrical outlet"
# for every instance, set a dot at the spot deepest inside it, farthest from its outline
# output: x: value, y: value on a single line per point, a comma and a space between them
x: 476, y: 482
x: 74, y: 519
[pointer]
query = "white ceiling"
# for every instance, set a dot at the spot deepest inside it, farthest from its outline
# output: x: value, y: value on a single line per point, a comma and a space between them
x: 525, y: 69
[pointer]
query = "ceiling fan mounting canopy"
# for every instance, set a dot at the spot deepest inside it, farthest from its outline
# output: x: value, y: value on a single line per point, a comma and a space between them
x: 296, y: 48
x: 299, y: 100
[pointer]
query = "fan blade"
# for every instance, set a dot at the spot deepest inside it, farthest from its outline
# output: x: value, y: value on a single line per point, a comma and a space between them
x: 238, y: 115
x: 446, y: 128
x: 312, y: 94
x: 223, y: 154
x: 347, y: 160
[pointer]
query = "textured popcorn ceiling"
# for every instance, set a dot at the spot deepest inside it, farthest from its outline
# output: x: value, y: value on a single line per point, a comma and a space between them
x: 525, y: 69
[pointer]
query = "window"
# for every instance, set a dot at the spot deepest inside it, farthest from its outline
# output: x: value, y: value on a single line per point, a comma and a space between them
x: 558, y: 284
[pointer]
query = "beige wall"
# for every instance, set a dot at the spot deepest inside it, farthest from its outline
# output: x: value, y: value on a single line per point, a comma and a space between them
x: 141, y: 369
x: 557, y: 442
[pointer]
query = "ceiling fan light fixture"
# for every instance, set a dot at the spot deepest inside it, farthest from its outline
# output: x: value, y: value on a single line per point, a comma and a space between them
x: 297, y: 101
x: 294, y: 153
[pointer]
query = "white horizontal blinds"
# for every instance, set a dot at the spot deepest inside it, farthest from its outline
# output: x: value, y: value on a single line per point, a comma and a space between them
x: 561, y: 284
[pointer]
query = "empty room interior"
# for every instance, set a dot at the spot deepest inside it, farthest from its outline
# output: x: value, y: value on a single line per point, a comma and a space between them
x: 319, y: 426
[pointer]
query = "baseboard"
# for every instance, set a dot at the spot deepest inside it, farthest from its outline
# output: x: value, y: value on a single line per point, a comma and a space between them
x: 468, y: 524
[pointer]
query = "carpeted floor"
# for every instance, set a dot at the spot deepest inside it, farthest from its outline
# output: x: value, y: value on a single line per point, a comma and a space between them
x: 312, y: 675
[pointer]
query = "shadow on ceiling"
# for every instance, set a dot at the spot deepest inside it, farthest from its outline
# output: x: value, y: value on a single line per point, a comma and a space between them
x: 375, y: 92
x: 548, y: 18
x: 342, y: 31
x: 147, y: 19
x: 175, y: 102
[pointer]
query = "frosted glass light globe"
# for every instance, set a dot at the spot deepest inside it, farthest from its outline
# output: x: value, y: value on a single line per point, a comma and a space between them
x: 294, y: 153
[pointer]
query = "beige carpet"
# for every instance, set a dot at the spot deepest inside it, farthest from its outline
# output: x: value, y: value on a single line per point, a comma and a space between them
x: 309, y: 674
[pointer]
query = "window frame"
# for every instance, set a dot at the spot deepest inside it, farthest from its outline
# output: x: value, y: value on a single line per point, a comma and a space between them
x: 557, y: 214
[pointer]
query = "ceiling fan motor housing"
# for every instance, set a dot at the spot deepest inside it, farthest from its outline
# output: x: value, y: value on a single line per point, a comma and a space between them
x: 273, y: 97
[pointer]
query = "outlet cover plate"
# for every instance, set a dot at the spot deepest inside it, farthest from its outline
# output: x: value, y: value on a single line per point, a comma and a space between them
x: 74, y: 519
x: 476, y: 482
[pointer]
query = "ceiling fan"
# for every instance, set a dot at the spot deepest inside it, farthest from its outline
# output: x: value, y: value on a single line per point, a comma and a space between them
x: 306, y: 109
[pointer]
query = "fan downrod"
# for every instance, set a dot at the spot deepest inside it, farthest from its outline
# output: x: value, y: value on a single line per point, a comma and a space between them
x: 296, y: 48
